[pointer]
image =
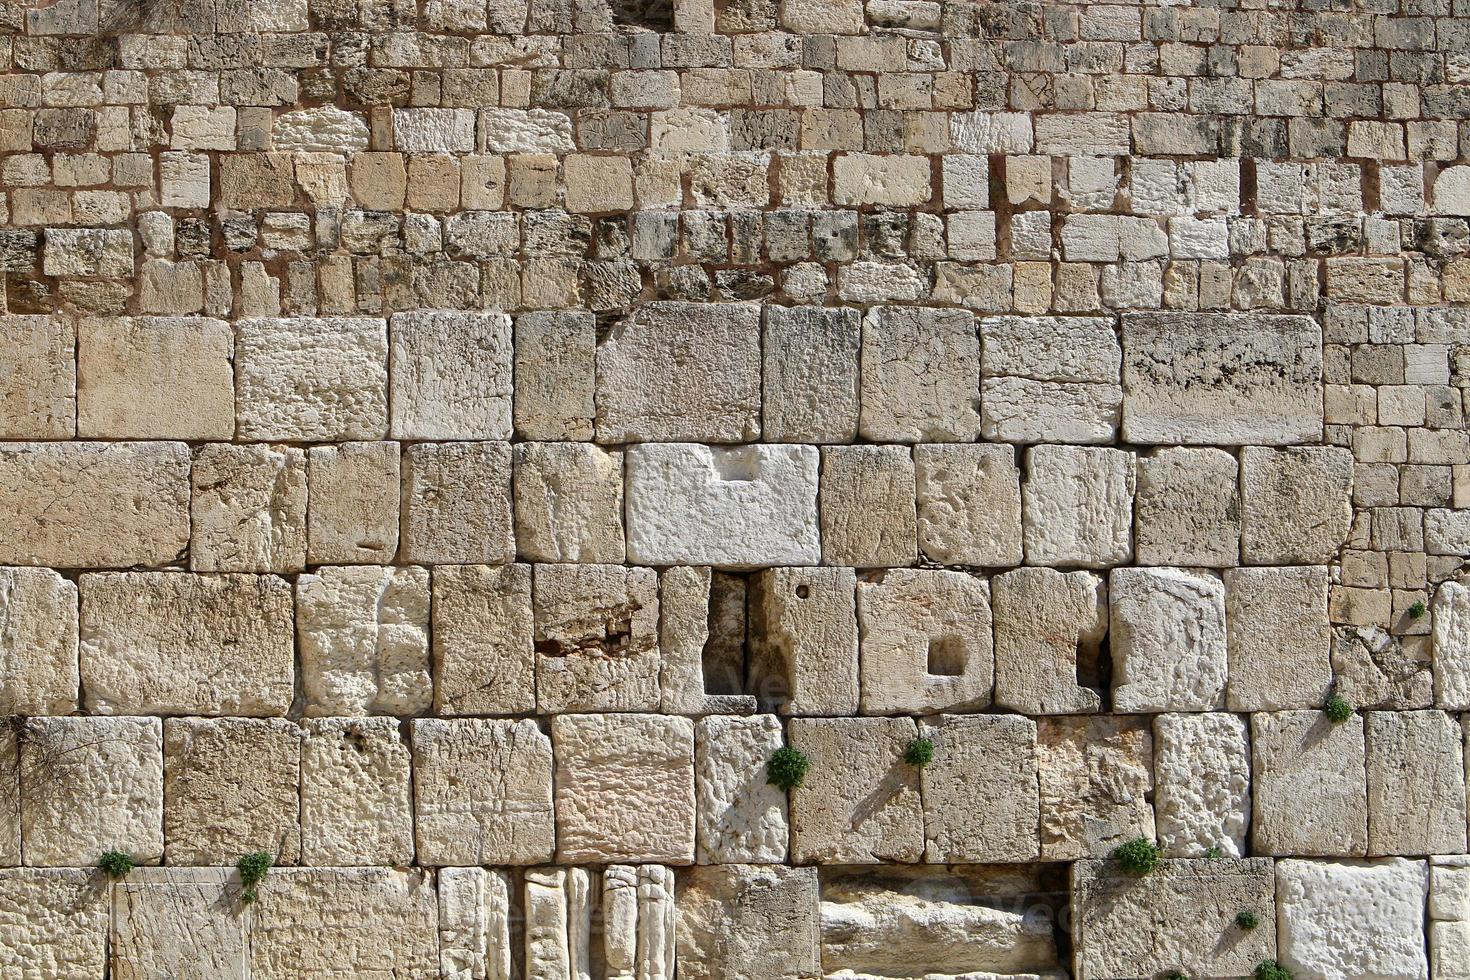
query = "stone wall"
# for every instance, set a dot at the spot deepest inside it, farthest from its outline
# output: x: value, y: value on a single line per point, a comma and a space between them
x: 452, y: 447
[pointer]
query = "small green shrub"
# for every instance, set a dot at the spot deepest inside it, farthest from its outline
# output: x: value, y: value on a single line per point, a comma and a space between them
x: 1271, y: 970
x: 1417, y: 610
x: 1215, y: 853
x: 787, y: 767
x: 919, y: 753
x: 1247, y: 920
x: 1138, y: 857
x: 1337, y: 710
x: 1175, y: 975
x: 253, y: 868
x: 116, y: 864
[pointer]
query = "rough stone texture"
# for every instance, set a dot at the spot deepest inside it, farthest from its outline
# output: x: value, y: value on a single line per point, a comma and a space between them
x: 1309, y: 787
x: 474, y: 924
x: 38, y: 377
x: 353, y: 515
x: 1202, y: 779
x: 248, y: 510
x: 701, y: 636
x: 1297, y: 509
x: 860, y: 803
x: 596, y: 638
x: 805, y: 639
x: 742, y: 817
x: 356, y: 805
x: 1187, y: 511
x: 1168, y: 639
x: 1452, y: 646
x: 569, y: 502
x: 743, y: 922
x: 1279, y: 638
x: 482, y: 631
x: 1449, y: 912
x: 155, y: 378
x: 980, y: 792
x: 866, y: 500
x: 450, y: 375
x: 1096, y: 776
x: 1049, y: 626
x: 312, y: 380
x: 457, y: 503
x: 39, y: 673
x: 969, y: 506
x: 55, y: 923
x: 554, y: 391
x: 1078, y: 506
x: 177, y: 922
x: 1416, y: 783
x: 920, y: 376
x: 809, y: 384
x: 1340, y: 919
x: 1050, y: 379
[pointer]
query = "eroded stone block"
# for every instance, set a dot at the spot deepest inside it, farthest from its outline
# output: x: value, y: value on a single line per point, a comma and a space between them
x: 804, y: 640
x: 742, y: 817
x: 1050, y: 379
x: 569, y: 502
x: 1309, y: 788
x: 920, y: 379
x: 1352, y: 918
x: 1078, y: 506
x: 450, y: 375
x: 969, y: 504
x: 39, y: 673
x: 596, y: 638
x: 926, y: 642
x: 484, y: 657
x: 980, y: 791
x: 303, y: 380
x: 1168, y: 639
x: 55, y: 923
x: 1049, y: 627
x: 155, y: 378
x: 810, y: 381
x: 554, y: 374
x: 744, y: 922
x: 1452, y: 646
x: 248, y: 511
x: 457, y: 503
x: 1279, y: 638
x: 867, y: 506
x: 174, y: 921
x: 474, y: 924
x: 38, y: 386
x: 355, y: 493
x: 1202, y: 794
x: 1188, y: 508
x: 1297, y: 504
x: 1416, y: 783
x: 860, y: 803
x: 1096, y: 777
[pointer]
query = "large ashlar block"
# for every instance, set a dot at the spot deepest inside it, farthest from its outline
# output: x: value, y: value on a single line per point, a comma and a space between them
x: 94, y: 504
x: 364, y: 637
x: 1309, y: 785
x: 55, y: 923
x: 177, y: 643
x: 596, y: 638
x: 1049, y: 628
x: 248, y: 512
x: 178, y: 922
x: 981, y: 802
x: 1298, y: 504
x: 804, y: 640
x: 969, y: 504
x: 450, y: 375
x: 482, y: 792
x: 701, y: 637
x: 1188, y: 508
x: 1050, y: 379
x: 926, y: 642
x: 305, y: 380
x: 920, y: 377
x: 1221, y: 379
x: 1180, y: 917
x: 484, y: 653
x: 1416, y: 783
x: 681, y: 372
x: 39, y: 673
x: 353, y: 517
x: 1452, y: 646
x: 569, y: 502
x: 1341, y: 919
x: 624, y: 788
x: 810, y: 381
x: 1202, y: 775
x: 231, y: 786
x: 733, y: 507
x: 457, y: 503
x: 89, y: 785
x: 749, y: 922
x: 1279, y: 637
x: 474, y: 924
x: 1078, y: 506
x: 860, y: 803
x: 867, y: 506
x: 1096, y: 778
x: 155, y: 378
x: 356, y: 804
x: 38, y: 385
x: 742, y: 817
x: 1168, y: 639
x: 555, y: 377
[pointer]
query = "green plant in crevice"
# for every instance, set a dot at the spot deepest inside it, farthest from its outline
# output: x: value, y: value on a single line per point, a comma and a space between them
x: 1337, y: 709
x: 1138, y: 857
x: 787, y: 768
x: 253, y: 868
x: 116, y: 864
x: 1174, y: 975
x: 1215, y: 852
x: 920, y: 752
x: 1417, y: 610
x: 1271, y: 970
x: 1247, y: 920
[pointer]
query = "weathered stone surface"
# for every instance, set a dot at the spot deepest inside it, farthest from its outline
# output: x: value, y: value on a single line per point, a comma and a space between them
x: 301, y: 380
x: 969, y: 504
x: 624, y: 788
x: 926, y: 642
x: 1297, y: 504
x: 1078, y: 506
x: 980, y: 791
x: 554, y: 386
x: 457, y: 503
x: 356, y: 804
x: 569, y: 502
x: 177, y: 643
x: 748, y: 922
x: 920, y: 378
x: 1279, y: 638
x: 596, y: 638
x: 1449, y: 910
x: 1221, y: 379
x: 701, y: 637
x: 741, y: 817
x: 548, y: 946
x: 1309, y: 789
x: 1168, y: 639
x: 1049, y: 627
x: 39, y: 672
x: 248, y: 511
x: 1374, y: 669
x: 1096, y: 777
x: 860, y: 803
x: 321, y: 129
x: 1187, y: 511
x: 1202, y: 784
x: 681, y: 371
x: 450, y: 375
x: 474, y: 924
x: 38, y: 380
x: 735, y: 507
x: 155, y: 378
x: 810, y: 381
x: 1340, y: 919
x: 804, y: 640
x: 1416, y: 783
x: 353, y: 515
x: 1049, y: 379
x: 866, y: 500
x: 484, y: 657
x: 1180, y: 917
x: 55, y: 923
x: 1452, y: 646
x: 178, y: 922
x: 94, y: 504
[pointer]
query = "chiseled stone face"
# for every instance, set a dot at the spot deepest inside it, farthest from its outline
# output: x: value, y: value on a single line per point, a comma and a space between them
x: 969, y: 509
x: 920, y: 375
x: 926, y: 642
x: 38, y: 391
x: 980, y: 791
x: 1416, y: 783
x: 483, y: 638
x: 810, y: 378
x: 155, y: 378
x: 1049, y: 626
x: 1309, y: 788
x: 55, y: 922
x: 1297, y: 504
x: 355, y: 491
x: 312, y: 380
x: 1352, y: 918
x: 744, y: 922
x: 1078, y: 506
x: 450, y: 375
x: 170, y: 921
x: 866, y: 500
x: 39, y: 672
x: 356, y: 803
x: 1168, y: 639
x: 742, y: 817
x: 1096, y: 775
x: 1202, y: 792
x: 804, y: 639
x: 596, y: 638
x: 457, y: 503
x: 1187, y: 512
x: 569, y: 502
x: 1279, y: 638
x: 248, y: 510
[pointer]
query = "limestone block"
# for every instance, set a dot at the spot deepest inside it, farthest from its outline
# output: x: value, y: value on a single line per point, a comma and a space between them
x: 810, y: 381
x: 90, y: 252
x: 554, y: 375
x: 1180, y: 917
x: 620, y: 920
x: 434, y: 130
x: 177, y: 643
x: 1078, y: 506
x: 969, y: 504
x: 733, y: 507
x: 1027, y: 411
x: 310, y: 922
x: 823, y: 16
x: 569, y: 502
x: 1049, y: 627
x: 231, y: 786
x: 1050, y: 379
x: 860, y: 803
x: 748, y: 922
x: 305, y: 380
x: 38, y: 384
x: 742, y: 819
x: 890, y: 180
x: 526, y: 131
x: 1374, y: 669
x: 804, y: 640
x: 1452, y: 646
x: 90, y: 785
x: 866, y: 500
x: 457, y: 503
x: 920, y: 379
x: 624, y: 788
x: 1221, y: 378
x: 155, y: 378
x: 482, y: 791
x: 474, y: 924
x: 1309, y: 788
x: 548, y: 950
x: 178, y: 922
x: 324, y: 129
x: 980, y: 791
x: 55, y: 923
x: 1202, y: 784
x: 1416, y: 783
x: 1297, y: 504
x: 1168, y: 639
x: 356, y: 806
x: 656, y: 923
x: 484, y: 658
x: 1096, y: 777
x: 450, y: 375
x: 598, y: 183
x: 1187, y: 511
x: 701, y: 636
x: 1341, y: 919
x: 1279, y: 638
x: 681, y: 371
x: 353, y: 515
x: 1449, y: 908
x: 926, y: 642
x: 596, y: 638
x: 94, y: 504
x: 39, y: 672
x: 248, y: 510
